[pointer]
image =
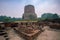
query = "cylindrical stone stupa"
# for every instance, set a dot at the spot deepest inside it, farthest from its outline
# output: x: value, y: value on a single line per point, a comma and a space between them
x: 29, y: 12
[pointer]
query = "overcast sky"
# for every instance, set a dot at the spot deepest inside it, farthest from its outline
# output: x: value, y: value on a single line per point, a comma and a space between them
x: 15, y: 8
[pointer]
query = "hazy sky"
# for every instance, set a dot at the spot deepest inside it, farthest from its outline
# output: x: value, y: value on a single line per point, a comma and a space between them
x: 15, y: 8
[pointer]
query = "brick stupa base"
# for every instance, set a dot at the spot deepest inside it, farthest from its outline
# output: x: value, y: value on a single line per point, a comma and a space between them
x: 28, y: 36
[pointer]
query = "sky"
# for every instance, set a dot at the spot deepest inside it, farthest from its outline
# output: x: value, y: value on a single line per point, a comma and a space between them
x: 15, y: 8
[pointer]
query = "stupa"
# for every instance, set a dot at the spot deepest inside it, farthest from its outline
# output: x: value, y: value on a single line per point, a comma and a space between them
x: 29, y: 12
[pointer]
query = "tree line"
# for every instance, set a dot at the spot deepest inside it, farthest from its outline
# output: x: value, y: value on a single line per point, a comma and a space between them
x: 44, y: 16
x: 50, y: 17
x: 8, y: 19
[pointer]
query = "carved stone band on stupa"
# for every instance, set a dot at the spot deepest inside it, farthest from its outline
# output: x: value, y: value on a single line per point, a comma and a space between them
x: 29, y: 12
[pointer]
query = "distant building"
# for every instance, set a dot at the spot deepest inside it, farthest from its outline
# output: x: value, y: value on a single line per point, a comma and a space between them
x: 29, y: 12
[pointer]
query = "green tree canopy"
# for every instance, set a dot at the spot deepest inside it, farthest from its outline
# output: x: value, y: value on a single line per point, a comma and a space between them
x: 49, y: 16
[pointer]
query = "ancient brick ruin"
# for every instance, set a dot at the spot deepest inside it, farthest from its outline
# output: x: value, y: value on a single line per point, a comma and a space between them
x: 29, y: 12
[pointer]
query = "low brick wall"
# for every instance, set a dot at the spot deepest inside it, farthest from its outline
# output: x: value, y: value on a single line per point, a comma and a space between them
x: 27, y: 36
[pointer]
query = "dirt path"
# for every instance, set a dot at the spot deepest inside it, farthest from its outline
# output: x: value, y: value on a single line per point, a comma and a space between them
x: 49, y: 34
x: 2, y: 38
x: 13, y: 35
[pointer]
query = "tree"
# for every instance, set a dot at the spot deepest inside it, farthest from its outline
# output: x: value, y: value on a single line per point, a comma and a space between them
x: 49, y: 16
x: 6, y: 20
x: 55, y: 16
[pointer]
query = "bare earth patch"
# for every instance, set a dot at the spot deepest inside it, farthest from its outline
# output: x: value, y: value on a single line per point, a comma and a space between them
x: 49, y: 35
